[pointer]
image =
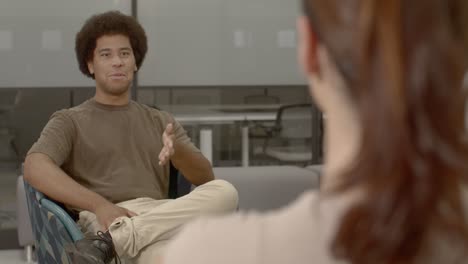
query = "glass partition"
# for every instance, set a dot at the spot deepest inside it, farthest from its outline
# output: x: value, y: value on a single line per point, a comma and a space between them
x: 224, y: 69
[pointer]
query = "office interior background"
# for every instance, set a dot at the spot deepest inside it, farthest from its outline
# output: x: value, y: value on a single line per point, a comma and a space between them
x: 223, y: 68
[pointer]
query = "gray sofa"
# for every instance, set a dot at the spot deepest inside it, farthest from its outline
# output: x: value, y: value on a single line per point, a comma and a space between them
x: 268, y: 187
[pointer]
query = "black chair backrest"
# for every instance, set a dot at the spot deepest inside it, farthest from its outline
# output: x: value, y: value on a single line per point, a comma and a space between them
x: 261, y: 99
x: 178, y: 185
x: 294, y: 121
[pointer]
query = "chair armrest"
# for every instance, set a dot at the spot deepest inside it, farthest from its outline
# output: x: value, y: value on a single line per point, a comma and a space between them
x: 64, y: 217
x: 25, y: 233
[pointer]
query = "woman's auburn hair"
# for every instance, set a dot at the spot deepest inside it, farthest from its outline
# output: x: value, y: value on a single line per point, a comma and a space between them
x: 404, y: 63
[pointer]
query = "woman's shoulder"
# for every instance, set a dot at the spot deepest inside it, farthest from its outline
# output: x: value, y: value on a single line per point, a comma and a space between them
x: 228, y: 239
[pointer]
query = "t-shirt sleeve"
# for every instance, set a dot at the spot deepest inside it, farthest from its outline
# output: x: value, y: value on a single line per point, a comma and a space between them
x: 56, y: 139
x: 179, y: 132
x: 229, y: 240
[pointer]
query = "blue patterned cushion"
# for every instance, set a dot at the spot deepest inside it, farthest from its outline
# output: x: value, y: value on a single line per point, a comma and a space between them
x: 51, y: 236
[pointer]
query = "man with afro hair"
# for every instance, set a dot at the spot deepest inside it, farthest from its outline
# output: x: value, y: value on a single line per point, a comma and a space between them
x: 108, y: 158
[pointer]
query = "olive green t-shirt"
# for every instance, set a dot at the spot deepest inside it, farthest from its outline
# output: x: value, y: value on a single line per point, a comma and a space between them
x: 111, y: 150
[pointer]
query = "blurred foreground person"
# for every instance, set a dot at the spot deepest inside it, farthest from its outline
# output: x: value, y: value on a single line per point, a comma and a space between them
x: 388, y: 75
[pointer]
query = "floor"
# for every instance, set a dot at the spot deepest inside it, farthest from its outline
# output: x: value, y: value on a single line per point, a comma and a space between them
x: 15, y: 256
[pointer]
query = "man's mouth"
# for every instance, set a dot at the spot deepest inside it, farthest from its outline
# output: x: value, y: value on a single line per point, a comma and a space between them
x: 118, y: 76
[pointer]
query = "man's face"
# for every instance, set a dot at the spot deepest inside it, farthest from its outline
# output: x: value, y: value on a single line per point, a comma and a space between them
x: 113, y: 64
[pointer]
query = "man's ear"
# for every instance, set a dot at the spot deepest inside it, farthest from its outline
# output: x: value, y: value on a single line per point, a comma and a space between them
x: 136, y: 69
x: 307, y: 48
x: 90, y: 67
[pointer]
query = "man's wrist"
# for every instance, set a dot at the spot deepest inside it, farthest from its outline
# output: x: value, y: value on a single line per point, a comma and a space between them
x: 178, y: 149
x: 98, y: 202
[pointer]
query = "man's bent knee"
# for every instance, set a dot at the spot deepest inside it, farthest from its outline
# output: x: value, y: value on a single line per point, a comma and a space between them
x: 228, y: 197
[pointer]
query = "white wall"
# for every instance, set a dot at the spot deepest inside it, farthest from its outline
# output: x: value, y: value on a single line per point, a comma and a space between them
x: 191, y: 42
x: 220, y: 42
x: 37, y: 40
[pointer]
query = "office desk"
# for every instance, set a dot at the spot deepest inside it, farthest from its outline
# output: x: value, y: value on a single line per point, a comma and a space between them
x: 222, y: 114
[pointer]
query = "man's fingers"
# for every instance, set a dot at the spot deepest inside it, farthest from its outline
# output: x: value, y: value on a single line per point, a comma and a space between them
x: 163, y: 157
x: 163, y: 153
x: 166, y: 153
x: 168, y: 149
x: 169, y: 129
x: 169, y: 140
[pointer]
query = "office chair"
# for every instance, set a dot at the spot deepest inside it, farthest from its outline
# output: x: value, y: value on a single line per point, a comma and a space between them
x: 260, y: 130
x: 261, y: 99
x: 290, y: 139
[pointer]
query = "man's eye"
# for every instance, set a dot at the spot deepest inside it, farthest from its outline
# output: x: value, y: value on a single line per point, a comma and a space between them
x: 125, y: 53
x: 104, y: 54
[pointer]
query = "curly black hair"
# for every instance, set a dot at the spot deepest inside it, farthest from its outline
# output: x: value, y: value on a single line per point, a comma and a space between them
x: 109, y: 23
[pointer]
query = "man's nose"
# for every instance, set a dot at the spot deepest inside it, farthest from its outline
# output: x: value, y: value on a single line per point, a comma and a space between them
x: 117, y: 61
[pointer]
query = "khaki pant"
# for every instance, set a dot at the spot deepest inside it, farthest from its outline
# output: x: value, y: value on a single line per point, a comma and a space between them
x: 142, y: 238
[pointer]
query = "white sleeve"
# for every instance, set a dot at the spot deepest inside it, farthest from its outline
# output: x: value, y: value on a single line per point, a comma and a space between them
x: 231, y: 239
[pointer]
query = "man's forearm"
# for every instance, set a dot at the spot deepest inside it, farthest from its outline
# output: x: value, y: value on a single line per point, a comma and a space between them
x: 44, y: 175
x: 193, y: 165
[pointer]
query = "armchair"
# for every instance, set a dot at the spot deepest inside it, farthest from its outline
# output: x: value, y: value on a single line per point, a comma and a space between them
x: 52, y: 229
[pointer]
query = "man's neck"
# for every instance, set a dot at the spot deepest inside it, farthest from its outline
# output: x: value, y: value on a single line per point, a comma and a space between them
x: 107, y: 99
